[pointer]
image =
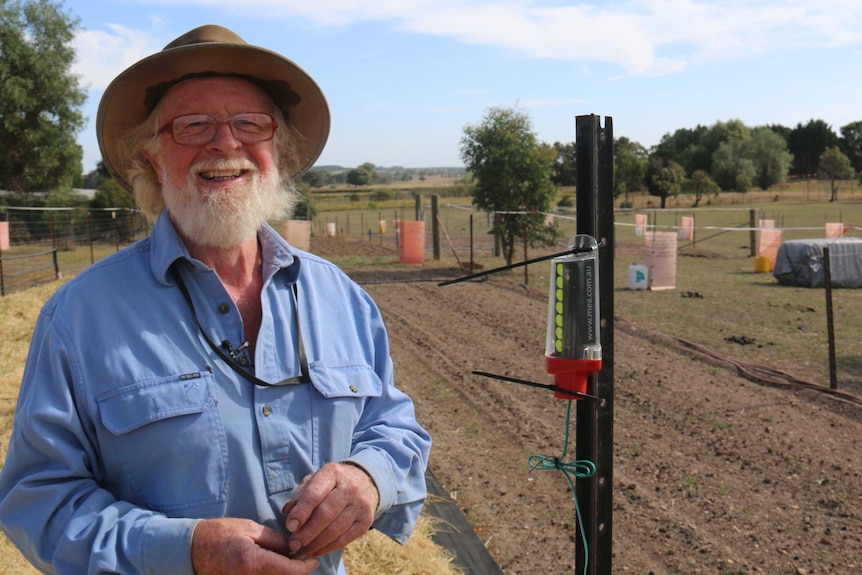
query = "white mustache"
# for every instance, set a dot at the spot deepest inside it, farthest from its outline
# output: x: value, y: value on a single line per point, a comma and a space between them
x: 222, y: 168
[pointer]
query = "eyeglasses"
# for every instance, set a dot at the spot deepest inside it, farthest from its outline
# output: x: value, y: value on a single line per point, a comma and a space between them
x: 197, y: 129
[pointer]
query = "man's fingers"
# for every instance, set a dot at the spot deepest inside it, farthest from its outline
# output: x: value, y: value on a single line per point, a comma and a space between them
x: 230, y: 546
x: 326, y: 524
x: 274, y: 541
x: 330, y: 510
x: 334, y: 538
x: 313, y: 490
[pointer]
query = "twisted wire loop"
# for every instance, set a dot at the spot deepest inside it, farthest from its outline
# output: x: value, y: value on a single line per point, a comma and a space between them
x: 572, y: 470
x: 580, y: 469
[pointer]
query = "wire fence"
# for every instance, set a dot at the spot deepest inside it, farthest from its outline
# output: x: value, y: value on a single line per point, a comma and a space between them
x: 456, y: 224
x: 43, y: 244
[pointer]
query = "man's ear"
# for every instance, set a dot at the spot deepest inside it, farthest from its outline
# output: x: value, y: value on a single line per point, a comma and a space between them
x: 152, y: 159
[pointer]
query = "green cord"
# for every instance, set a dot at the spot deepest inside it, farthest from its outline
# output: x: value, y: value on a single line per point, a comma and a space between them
x: 571, y: 469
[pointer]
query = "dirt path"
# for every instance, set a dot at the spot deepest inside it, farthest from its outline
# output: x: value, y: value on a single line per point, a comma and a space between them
x: 712, y: 473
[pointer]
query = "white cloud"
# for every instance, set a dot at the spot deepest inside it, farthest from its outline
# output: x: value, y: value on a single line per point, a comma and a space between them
x: 642, y: 37
x: 102, y: 54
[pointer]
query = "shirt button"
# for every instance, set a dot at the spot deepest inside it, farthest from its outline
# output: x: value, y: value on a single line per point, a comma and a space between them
x: 354, y: 389
x: 267, y: 411
x: 243, y: 360
x: 223, y: 308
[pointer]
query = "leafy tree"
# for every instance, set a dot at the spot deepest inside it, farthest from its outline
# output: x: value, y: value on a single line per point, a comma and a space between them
x: 722, y: 132
x: 359, y: 177
x: 699, y: 185
x: 630, y: 166
x: 95, y: 177
x: 694, y: 149
x: 66, y: 220
x: 565, y: 165
x: 769, y: 156
x: 304, y: 208
x: 851, y: 143
x: 807, y: 143
x: 39, y: 97
x: 110, y: 194
x: 687, y: 147
x: 782, y: 131
x: 664, y: 178
x: 91, y: 180
x: 372, y: 171
x: 314, y: 178
x: 364, y: 175
x: 513, y: 176
x: 834, y: 166
x: 566, y: 202
x: 732, y: 169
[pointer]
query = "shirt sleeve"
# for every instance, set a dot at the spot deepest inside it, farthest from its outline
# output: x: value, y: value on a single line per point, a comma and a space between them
x: 51, y: 504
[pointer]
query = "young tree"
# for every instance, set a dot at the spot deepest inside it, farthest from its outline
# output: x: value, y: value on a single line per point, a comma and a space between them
x: 768, y: 152
x: 39, y: 98
x: 700, y: 185
x: 834, y: 166
x: 664, y: 178
x: 512, y: 175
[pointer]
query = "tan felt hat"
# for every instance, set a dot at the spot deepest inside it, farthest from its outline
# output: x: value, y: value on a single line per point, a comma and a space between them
x: 205, y: 51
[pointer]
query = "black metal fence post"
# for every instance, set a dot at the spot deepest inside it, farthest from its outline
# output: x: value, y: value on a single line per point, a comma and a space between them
x: 830, y: 322
x: 594, y: 428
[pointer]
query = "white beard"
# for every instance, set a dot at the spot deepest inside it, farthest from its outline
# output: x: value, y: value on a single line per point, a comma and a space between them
x: 229, y: 216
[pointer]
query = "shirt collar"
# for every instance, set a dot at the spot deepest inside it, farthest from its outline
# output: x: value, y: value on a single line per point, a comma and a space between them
x: 166, y: 247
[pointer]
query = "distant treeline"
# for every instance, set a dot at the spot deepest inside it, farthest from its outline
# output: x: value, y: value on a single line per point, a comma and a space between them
x: 727, y: 156
x: 368, y: 174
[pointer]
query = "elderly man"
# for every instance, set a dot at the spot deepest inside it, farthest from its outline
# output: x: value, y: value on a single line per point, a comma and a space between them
x: 210, y: 399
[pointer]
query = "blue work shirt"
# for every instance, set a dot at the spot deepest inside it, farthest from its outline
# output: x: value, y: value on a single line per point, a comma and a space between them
x: 129, y: 429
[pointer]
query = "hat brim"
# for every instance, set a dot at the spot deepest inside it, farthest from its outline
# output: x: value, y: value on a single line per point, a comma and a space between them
x: 130, y: 98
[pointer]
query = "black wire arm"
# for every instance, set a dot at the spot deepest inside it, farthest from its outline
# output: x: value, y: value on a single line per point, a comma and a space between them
x: 574, y: 394
x: 519, y: 264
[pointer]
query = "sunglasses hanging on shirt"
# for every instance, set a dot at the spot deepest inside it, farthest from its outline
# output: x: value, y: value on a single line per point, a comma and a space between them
x: 228, y: 353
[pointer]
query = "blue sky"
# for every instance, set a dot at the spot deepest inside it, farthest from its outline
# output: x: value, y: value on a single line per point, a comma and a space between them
x: 404, y: 77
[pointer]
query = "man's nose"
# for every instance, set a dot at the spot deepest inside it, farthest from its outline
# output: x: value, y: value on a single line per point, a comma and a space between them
x: 224, y: 139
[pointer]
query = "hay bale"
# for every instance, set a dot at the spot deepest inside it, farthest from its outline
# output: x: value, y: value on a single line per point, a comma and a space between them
x: 376, y: 554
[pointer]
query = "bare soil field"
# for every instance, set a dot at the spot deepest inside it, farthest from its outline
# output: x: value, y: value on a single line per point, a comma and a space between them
x: 714, y: 472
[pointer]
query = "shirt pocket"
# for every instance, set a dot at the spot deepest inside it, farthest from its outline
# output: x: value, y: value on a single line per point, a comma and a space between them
x: 167, y: 439
x: 342, y: 393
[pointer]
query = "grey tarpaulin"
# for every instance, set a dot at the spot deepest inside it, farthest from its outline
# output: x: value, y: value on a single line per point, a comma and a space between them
x: 800, y: 262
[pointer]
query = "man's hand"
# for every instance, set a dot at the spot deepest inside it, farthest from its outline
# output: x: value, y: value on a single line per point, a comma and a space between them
x: 242, y: 547
x: 330, y: 509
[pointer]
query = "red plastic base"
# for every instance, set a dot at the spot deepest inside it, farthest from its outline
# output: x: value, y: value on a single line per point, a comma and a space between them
x: 571, y: 374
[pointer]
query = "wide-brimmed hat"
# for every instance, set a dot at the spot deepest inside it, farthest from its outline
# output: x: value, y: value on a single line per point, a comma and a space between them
x: 211, y: 50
